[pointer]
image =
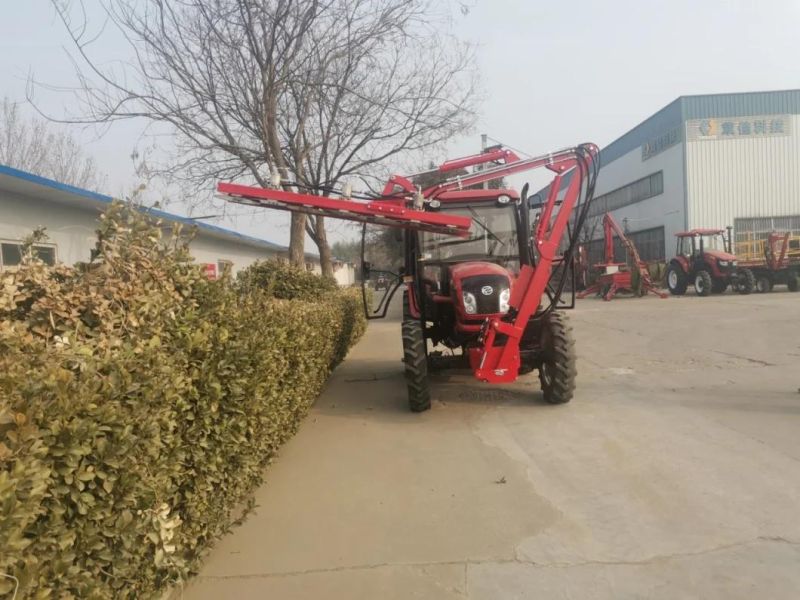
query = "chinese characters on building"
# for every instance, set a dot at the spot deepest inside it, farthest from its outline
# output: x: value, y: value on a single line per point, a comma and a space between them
x: 661, y: 143
x: 738, y: 127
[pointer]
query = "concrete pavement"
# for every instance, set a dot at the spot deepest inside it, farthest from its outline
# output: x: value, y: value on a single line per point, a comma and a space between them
x: 674, y: 473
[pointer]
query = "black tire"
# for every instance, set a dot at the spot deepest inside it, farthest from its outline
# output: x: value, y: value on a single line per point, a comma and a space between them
x: 676, y: 280
x: 718, y: 286
x: 703, y: 283
x: 416, y: 362
x: 747, y: 281
x: 558, y: 369
x: 793, y: 282
x: 763, y: 284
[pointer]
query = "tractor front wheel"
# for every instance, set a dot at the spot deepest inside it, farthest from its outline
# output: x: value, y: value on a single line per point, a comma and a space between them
x: 703, y: 283
x: 558, y: 370
x: 793, y: 282
x: 416, y: 362
x: 676, y: 280
x: 747, y: 281
x: 763, y: 284
x: 718, y: 286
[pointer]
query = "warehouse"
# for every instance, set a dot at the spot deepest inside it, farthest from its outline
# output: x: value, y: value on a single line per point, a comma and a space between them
x: 703, y: 161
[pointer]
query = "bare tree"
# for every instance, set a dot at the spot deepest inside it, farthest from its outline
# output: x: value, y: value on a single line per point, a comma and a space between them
x: 318, y: 91
x: 34, y: 145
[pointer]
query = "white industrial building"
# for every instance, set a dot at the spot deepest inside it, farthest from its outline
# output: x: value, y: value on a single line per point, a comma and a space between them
x: 69, y: 216
x: 703, y: 161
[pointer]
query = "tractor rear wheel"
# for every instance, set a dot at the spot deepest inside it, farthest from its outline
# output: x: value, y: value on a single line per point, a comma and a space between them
x: 676, y: 280
x: 558, y: 370
x: 747, y: 281
x: 416, y: 362
x: 703, y: 283
x: 763, y: 284
x: 793, y: 282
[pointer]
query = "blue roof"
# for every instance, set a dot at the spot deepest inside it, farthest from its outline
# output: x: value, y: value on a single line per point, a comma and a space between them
x: 103, y: 199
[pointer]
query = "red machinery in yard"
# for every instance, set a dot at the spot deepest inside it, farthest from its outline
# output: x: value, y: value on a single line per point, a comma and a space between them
x: 773, y: 261
x: 478, y: 277
x: 615, y: 277
x: 704, y: 259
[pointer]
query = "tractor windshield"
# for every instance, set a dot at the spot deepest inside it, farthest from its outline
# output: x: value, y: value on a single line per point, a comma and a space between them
x: 714, y: 242
x: 493, y: 236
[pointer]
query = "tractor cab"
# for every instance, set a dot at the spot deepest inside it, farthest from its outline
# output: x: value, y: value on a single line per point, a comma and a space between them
x: 466, y: 280
x: 708, y: 243
x: 703, y: 258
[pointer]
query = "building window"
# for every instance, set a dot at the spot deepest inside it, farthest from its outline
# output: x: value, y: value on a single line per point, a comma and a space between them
x: 224, y: 266
x: 639, y: 190
x: 11, y: 254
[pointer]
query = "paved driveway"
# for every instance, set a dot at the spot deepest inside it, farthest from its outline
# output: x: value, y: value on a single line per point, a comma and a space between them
x: 675, y: 472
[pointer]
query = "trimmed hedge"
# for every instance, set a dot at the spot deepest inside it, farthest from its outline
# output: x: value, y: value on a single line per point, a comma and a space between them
x: 140, y: 404
x: 280, y: 280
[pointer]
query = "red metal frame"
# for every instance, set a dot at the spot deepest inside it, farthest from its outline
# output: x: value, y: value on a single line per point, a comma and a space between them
x: 388, y: 213
x: 500, y: 363
x: 620, y: 281
x: 490, y: 362
x: 777, y: 253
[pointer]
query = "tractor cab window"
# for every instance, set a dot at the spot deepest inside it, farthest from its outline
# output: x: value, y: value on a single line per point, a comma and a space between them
x: 685, y: 246
x: 493, y: 236
x: 713, y: 242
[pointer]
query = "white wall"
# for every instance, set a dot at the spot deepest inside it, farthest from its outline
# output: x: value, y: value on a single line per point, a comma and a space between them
x: 72, y: 230
x: 665, y: 210
x: 206, y: 249
x: 344, y: 273
x: 743, y: 177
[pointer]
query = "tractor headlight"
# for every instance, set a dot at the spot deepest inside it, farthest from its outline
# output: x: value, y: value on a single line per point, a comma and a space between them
x: 470, y: 304
x: 505, y: 296
x: 723, y: 263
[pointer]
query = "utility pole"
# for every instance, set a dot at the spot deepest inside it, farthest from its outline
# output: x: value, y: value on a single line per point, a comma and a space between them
x: 484, y: 144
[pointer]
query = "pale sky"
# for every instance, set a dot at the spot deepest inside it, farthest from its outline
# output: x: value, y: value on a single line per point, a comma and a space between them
x: 554, y: 73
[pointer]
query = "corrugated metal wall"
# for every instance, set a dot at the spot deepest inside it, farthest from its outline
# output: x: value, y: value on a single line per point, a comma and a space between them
x: 741, y: 176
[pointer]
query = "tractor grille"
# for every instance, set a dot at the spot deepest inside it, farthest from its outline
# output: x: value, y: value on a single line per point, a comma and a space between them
x: 487, y: 303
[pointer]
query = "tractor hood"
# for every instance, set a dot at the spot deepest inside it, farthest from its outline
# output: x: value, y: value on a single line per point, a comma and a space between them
x: 477, y: 268
x: 720, y: 255
x: 479, y: 289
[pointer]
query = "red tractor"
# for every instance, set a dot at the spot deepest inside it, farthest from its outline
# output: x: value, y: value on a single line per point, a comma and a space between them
x: 704, y: 259
x: 479, y: 280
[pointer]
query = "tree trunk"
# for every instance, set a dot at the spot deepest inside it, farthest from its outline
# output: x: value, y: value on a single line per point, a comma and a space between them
x: 297, y: 239
x: 324, y: 248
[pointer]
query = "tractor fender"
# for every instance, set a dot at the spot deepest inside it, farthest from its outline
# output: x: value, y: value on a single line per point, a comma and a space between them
x: 681, y: 263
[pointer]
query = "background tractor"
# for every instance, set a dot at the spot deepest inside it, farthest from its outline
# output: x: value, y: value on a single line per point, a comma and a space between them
x: 703, y: 259
x: 480, y: 282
